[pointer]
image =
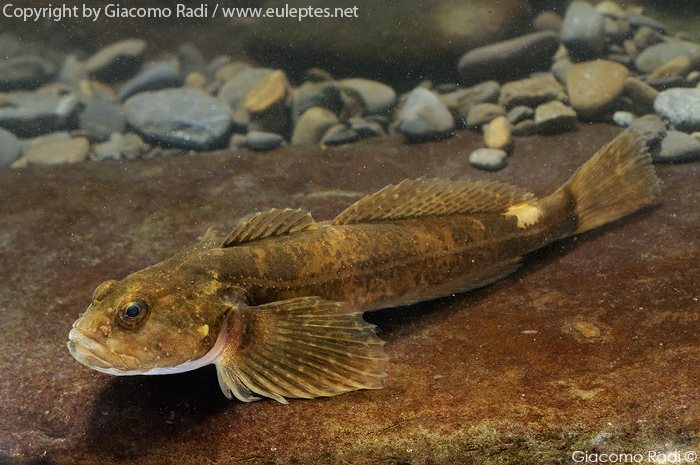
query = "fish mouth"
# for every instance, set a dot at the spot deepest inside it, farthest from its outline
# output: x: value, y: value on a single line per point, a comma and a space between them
x: 97, y: 356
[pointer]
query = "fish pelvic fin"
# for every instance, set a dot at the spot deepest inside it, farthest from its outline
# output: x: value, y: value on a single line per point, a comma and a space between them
x: 299, y: 348
x: 618, y: 180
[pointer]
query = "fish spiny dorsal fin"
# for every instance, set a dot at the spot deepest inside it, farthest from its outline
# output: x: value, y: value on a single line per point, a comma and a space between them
x: 275, y: 222
x: 425, y: 197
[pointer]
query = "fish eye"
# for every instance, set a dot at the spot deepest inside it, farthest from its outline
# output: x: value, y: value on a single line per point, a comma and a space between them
x: 132, y: 314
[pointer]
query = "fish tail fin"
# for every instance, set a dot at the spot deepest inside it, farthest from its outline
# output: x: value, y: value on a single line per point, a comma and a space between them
x: 618, y: 180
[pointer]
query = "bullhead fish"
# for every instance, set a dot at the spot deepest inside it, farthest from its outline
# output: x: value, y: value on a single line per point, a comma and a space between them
x: 277, y: 305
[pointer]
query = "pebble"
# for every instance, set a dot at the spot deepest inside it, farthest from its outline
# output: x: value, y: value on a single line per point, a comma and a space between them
x: 424, y: 116
x: 653, y: 57
x: 650, y: 127
x: 511, y: 59
x: 641, y: 95
x: 325, y: 94
x: 56, y: 152
x: 483, y: 113
x: 677, y: 147
x: 339, y: 134
x: 184, y: 118
x: 594, y: 86
x: 72, y: 70
x: 312, y: 125
x: 524, y: 128
x: 678, y: 66
x: 28, y: 114
x: 489, y: 159
x: 498, y: 134
x: 117, y: 61
x: 520, y: 113
x: 637, y: 20
x: 268, y: 103
x: 461, y: 101
x: 127, y: 146
x: 10, y: 148
x: 375, y: 96
x: 583, y: 31
x: 623, y: 118
x: 611, y: 9
x: 191, y: 59
x: 531, y: 91
x: 25, y: 73
x: 234, y: 91
x: 366, y: 128
x: 262, y: 141
x: 680, y: 107
x: 645, y: 37
x: 101, y: 118
x: 554, y: 117
x: 547, y: 21
x: 157, y: 76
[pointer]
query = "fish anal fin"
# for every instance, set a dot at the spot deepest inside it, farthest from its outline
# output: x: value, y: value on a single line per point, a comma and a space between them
x: 424, y: 197
x: 299, y: 348
x: 274, y: 222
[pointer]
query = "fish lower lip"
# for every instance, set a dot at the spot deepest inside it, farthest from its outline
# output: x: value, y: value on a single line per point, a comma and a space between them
x: 91, y: 353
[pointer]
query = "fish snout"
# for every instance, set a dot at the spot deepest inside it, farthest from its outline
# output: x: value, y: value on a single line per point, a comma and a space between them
x: 97, y: 356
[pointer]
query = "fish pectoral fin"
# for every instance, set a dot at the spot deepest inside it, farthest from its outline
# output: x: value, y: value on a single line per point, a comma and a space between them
x: 299, y: 348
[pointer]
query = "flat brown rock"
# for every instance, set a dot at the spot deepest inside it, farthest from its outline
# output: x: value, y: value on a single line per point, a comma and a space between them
x: 591, y: 345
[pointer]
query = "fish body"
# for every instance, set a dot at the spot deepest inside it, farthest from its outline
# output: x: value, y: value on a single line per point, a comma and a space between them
x: 277, y: 305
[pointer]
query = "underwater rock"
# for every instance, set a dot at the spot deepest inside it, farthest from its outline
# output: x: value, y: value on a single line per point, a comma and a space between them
x: 376, y: 96
x: 531, y: 91
x: 650, y: 127
x: 594, y: 86
x: 101, y: 118
x: 520, y: 113
x: 339, y: 134
x: 117, y: 61
x: 489, y: 159
x: 10, y: 148
x: 389, y: 41
x: 483, y: 113
x: 28, y: 114
x: 268, y: 103
x: 677, y: 147
x: 234, y: 91
x: 641, y: 95
x: 58, y: 152
x: 623, y: 118
x: 423, y: 116
x: 326, y: 94
x: 553, y: 117
x: 645, y: 37
x: 583, y: 31
x: 366, y: 128
x: 547, y: 21
x: 511, y: 59
x: 498, y: 134
x: 262, y: 141
x: 460, y: 101
x: 680, y: 107
x: 678, y: 66
x: 25, y: 73
x: 185, y: 118
x: 156, y: 76
x: 637, y: 20
x: 653, y: 57
x: 312, y: 125
x: 127, y: 146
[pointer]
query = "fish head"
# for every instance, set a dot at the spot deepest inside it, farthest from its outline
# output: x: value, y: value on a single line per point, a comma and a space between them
x: 151, y: 322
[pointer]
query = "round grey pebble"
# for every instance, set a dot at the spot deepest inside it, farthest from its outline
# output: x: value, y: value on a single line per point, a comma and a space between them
x: 677, y: 147
x: 25, y: 73
x: 583, y: 31
x: 680, y: 107
x: 10, y: 148
x: 424, y: 116
x: 262, y: 141
x: 489, y: 159
x: 186, y: 118
x: 49, y: 109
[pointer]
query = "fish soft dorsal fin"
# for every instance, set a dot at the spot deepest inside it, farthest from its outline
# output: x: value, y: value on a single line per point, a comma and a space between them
x: 274, y: 222
x: 414, y: 198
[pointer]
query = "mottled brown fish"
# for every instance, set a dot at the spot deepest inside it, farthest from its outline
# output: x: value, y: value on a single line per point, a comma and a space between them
x: 277, y: 305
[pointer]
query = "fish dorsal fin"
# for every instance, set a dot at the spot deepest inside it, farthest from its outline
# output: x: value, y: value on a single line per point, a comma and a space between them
x: 274, y: 222
x: 414, y: 198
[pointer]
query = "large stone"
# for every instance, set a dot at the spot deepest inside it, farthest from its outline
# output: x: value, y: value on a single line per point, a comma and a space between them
x: 656, y: 55
x: 594, y: 86
x: 510, y: 59
x: 387, y: 41
x: 28, y: 114
x: 423, y: 116
x: 583, y: 31
x: 680, y: 107
x: 185, y: 118
x: 502, y: 374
